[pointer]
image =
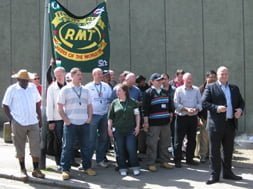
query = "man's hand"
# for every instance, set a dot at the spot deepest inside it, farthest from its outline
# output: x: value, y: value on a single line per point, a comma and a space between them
x: 191, y: 111
x: 238, y: 113
x: 88, y: 121
x: 221, y: 109
x: 51, y: 126
x: 67, y: 122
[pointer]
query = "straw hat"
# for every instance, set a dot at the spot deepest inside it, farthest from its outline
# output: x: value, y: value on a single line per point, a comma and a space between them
x: 22, y: 74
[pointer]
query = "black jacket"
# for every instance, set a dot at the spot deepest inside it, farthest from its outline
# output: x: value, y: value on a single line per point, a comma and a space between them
x: 213, y: 96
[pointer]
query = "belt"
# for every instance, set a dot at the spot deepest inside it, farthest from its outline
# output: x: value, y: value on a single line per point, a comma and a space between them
x: 228, y: 120
x: 187, y: 115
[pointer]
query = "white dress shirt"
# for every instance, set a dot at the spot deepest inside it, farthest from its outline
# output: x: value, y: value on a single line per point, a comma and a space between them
x: 22, y: 103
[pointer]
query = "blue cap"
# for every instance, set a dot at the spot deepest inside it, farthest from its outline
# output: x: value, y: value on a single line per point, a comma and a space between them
x: 155, y: 76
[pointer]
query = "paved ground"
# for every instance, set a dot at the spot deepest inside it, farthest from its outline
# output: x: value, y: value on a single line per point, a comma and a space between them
x: 186, y: 177
x: 13, y: 184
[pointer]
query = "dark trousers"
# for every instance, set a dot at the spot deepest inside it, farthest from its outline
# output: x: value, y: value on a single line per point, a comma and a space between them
x: 142, y: 142
x: 172, y: 130
x: 185, y: 125
x: 59, y: 134
x: 223, y: 136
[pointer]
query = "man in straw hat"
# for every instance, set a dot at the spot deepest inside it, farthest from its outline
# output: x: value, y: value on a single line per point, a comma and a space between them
x: 21, y: 105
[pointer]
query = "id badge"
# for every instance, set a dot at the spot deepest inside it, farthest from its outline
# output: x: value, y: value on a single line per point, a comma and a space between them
x: 163, y: 106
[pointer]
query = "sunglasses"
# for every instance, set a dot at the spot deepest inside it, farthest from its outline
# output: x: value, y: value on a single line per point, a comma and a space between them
x: 36, y: 78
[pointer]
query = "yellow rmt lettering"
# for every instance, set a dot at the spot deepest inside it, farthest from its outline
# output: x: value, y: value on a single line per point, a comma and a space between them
x: 80, y: 34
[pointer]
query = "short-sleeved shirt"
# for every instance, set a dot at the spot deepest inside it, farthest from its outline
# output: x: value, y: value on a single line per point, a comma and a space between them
x: 122, y: 115
x: 22, y: 103
x: 75, y: 102
x: 100, y: 97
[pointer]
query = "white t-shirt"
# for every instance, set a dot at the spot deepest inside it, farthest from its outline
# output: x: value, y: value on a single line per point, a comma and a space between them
x: 100, y: 96
x: 75, y: 101
x: 22, y: 103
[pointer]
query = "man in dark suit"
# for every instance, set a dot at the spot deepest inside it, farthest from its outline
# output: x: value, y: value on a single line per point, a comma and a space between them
x: 225, y: 106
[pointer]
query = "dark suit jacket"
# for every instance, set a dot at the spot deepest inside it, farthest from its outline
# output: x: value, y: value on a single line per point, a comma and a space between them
x: 212, y: 97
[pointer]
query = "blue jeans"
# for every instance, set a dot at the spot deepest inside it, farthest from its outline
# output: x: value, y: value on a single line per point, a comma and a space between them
x: 70, y: 133
x: 126, y: 143
x: 99, y: 136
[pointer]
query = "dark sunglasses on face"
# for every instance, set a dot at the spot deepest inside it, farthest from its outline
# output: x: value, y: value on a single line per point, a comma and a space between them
x: 36, y: 78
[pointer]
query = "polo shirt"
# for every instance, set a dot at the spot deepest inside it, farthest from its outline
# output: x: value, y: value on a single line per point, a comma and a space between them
x: 122, y: 115
x: 100, y: 97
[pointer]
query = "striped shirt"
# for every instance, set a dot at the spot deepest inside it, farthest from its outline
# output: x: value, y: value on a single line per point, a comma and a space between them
x: 160, y: 101
x: 157, y: 107
x: 75, y: 101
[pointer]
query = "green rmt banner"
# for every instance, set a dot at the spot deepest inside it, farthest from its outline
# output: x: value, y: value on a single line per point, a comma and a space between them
x: 79, y: 41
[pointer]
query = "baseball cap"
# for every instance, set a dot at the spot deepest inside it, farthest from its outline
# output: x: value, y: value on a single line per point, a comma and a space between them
x: 156, y: 76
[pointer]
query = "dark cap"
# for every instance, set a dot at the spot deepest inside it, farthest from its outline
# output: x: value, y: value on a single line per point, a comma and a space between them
x: 140, y: 78
x: 106, y: 72
x: 155, y: 76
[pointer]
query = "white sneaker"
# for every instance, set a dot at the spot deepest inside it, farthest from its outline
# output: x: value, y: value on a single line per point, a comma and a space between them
x: 123, y: 172
x: 136, y: 172
x: 58, y: 168
x: 103, y: 164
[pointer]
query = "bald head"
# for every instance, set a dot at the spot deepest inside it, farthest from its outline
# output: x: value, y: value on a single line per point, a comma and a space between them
x: 187, y: 78
x: 221, y: 69
x: 97, y: 74
x: 187, y: 75
x: 222, y: 74
x: 130, y: 79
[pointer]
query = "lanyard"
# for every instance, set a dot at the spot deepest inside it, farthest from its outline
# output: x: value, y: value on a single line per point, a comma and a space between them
x: 99, y: 91
x: 78, y: 95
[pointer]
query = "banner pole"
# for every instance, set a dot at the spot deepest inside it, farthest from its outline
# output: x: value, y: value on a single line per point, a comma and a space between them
x: 44, y: 85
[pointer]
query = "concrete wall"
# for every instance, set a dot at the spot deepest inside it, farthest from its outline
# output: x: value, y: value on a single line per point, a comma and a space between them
x: 146, y: 36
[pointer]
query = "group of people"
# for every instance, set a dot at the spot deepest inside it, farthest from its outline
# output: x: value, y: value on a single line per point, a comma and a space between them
x: 137, y: 116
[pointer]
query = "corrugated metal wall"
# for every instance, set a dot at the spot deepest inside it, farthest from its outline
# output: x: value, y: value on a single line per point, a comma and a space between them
x: 146, y: 36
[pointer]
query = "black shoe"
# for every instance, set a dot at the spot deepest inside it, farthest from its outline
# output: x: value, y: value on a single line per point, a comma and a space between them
x: 77, y: 154
x: 232, y: 177
x: 75, y: 164
x: 212, y: 180
x: 139, y: 159
x: 203, y: 159
x: 116, y: 168
x: 178, y: 165
x: 192, y: 162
